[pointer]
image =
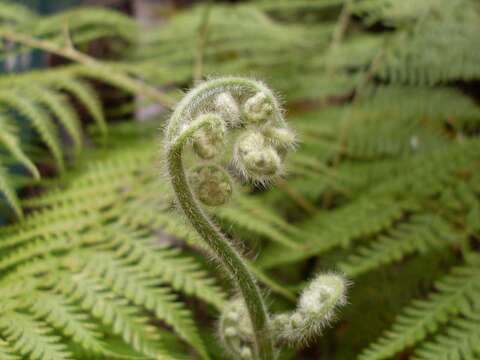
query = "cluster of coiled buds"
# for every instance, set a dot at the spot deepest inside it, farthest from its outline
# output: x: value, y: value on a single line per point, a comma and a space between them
x: 261, y: 139
x: 315, y: 310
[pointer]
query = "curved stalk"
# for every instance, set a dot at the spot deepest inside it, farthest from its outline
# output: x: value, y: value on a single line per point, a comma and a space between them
x: 221, y: 247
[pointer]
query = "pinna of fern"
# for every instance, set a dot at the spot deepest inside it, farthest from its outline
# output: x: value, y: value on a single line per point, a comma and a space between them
x: 84, y: 25
x: 204, y: 118
x: 42, y: 98
x: 78, y: 306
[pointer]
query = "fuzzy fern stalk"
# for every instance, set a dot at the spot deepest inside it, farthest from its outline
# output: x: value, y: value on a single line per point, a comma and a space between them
x: 202, y: 120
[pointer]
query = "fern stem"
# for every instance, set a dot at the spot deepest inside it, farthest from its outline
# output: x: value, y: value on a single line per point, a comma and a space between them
x: 339, y: 33
x: 202, y: 37
x: 68, y: 52
x: 221, y: 248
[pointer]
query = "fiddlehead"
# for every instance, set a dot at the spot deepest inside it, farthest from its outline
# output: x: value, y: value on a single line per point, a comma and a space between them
x: 235, y: 330
x: 315, y: 309
x: 211, y: 184
x: 204, y: 118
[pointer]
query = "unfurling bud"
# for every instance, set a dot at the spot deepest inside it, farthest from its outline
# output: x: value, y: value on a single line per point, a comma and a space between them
x: 236, y: 330
x: 246, y: 353
x: 280, y: 138
x: 258, y: 109
x: 227, y: 107
x: 209, y: 139
x: 211, y: 184
x: 316, y: 308
x: 322, y: 295
x: 255, y: 159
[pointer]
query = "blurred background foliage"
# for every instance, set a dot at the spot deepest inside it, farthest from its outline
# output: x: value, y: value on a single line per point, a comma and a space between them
x: 385, y: 185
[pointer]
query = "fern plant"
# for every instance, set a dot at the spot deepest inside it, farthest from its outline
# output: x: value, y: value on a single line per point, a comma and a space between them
x: 93, y: 308
x: 204, y: 116
x: 383, y: 186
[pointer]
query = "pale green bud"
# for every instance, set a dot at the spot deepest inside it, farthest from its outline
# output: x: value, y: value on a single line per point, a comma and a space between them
x: 258, y: 109
x: 316, y: 307
x: 280, y: 138
x: 227, y: 107
x: 255, y: 159
x: 211, y: 184
x: 208, y: 141
x: 246, y: 353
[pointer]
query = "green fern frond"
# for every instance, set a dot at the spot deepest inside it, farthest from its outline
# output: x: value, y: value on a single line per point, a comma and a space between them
x: 257, y: 221
x: 9, y: 139
x: 138, y: 272
x: 66, y: 318
x: 125, y: 320
x: 86, y: 24
x: 5, y: 351
x: 419, y: 234
x: 31, y: 338
x: 40, y: 121
x: 455, y: 295
x: 63, y: 111
x: 182, y: 273
x: 323, y: 232
x: 141, y: 288
x: 16, y: 13
x: 85, y: 94
x: 432, y: 44
x: 459, y: 341
x: 7, y: 190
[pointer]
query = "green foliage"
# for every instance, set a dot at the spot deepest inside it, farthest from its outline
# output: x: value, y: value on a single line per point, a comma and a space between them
x: 90, y: 278
x: 41, y: 96
x: 421, y: 52
x: 385, y: 185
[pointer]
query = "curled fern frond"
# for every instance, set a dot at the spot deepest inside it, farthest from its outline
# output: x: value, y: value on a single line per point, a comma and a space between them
x: 316, y: 308
x: 194, y: 120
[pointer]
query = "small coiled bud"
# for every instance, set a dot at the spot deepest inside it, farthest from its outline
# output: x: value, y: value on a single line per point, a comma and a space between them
x: 322, y: 295
x: 208, y: 141
x: 255, y: 159
x: 236, y: 330
x: 316, y: 307
x: 280, y: 138
x: 211, y: 184
x: 246, y: 353
x: 227, y: 107
x: 258, y: 109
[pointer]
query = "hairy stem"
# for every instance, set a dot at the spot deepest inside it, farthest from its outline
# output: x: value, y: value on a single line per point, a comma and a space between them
x: 223, y: 250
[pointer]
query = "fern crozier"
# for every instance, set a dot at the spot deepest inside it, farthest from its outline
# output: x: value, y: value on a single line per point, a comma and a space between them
x: 316, y: 307
x: 204, y: 117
